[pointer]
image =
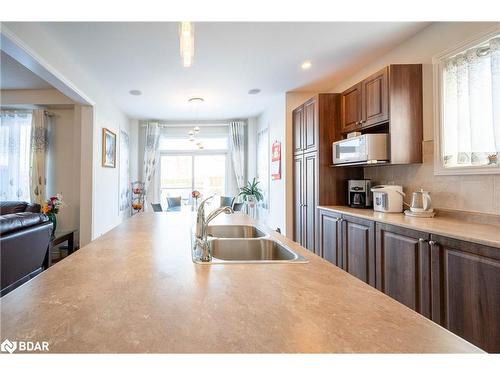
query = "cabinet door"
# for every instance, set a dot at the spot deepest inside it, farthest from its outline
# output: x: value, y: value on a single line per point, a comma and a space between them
x: 358, y: 245
x: 330, y: 245
x: 298, y: 129
x: 351, y: 108
x: 375, y: 99
x: 310, y: 140
x: 298, y: 194
x: 466, y: 290
x: 310, y: 196
x: 403, y: 266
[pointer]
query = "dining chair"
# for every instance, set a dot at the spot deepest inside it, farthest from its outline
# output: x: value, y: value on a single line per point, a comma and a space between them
x: 174, y: 203
x: 156, y: 207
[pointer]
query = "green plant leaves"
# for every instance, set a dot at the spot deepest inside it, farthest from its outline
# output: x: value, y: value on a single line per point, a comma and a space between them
x: 252, y: 188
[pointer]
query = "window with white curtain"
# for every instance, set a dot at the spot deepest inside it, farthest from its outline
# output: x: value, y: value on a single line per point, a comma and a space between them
x: 15, y: 146
x: 469, y: 108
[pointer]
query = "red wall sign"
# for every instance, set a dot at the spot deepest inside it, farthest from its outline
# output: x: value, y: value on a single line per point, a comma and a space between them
x: 276, y: 161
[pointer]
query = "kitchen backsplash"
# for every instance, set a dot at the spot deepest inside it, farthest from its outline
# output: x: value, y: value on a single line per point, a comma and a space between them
x: 477, y: 193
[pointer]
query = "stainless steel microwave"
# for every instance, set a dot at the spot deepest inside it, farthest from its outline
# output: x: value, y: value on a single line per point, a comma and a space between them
x: 363, y: 149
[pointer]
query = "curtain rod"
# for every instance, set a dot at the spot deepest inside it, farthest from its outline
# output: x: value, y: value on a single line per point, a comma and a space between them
x: 26, y: 111
x: 143, y: 124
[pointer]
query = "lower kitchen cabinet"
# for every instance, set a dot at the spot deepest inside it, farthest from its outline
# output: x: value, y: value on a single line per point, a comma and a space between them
x: 330, y: 244
x: 358, y: 248
x: 465, y: 281
x: 403, y: 266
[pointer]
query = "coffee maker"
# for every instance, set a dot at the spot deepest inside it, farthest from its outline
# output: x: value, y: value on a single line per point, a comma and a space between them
x: 359, y: 193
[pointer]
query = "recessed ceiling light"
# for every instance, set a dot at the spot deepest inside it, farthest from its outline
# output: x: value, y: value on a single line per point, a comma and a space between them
x: 135, y: 92
x: 196, y: 100
x: 306, y: 65
x: 253, y: 91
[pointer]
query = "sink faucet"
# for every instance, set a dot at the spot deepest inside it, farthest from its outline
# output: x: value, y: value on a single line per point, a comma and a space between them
x: 201, y: 227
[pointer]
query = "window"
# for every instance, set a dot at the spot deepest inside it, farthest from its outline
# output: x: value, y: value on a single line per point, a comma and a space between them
x: 15, y: 146
x: 184, y: 167
x: 181, y: 174
x: 468, y: 135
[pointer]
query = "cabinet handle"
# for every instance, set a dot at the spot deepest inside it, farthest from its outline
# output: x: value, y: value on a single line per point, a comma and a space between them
x: 422, y: 240
x: 433, y: 243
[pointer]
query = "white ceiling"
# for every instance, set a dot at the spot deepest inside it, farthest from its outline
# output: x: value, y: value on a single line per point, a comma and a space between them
x: 230, y: 59
x: 14, y: 76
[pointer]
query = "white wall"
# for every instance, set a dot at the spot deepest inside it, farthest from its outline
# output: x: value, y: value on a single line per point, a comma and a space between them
x: 104, y: 195
x: 273, y: 118
x: 63, y: 167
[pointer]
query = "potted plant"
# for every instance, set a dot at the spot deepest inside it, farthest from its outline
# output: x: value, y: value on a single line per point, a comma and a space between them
x: 251, y: 194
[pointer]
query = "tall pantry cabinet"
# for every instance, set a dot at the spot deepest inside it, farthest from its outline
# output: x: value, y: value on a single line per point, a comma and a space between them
x: 316, y: 124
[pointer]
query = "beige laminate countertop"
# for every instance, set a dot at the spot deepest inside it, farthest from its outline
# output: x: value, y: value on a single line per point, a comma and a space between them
x: 462, y: 230
x: 135, y: 289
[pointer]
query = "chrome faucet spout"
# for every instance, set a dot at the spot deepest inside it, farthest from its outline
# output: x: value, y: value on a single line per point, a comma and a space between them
x: 201, y: 228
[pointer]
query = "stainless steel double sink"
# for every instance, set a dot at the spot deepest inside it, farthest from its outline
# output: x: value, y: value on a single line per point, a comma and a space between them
x: 246, y: 244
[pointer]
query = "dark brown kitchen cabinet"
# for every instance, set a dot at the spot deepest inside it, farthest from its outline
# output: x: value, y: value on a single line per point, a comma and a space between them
x: 310, y: 200
x: 465, y: 279
x: 358, y: 248
x: 388, y: 101
x: 403, y: 266
x: 375, y: 99
x: 310, y: 136
x: 351, y: 108
x: 305, y: 129
x: 330, y: 245
x: 305, y: 198
x: 298, y: 197
x: 298, y: 129
x: 366, y: 103
x: 316, y: 124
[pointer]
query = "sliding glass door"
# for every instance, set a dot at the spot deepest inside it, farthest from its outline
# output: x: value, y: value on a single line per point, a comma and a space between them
x: 181, y: 173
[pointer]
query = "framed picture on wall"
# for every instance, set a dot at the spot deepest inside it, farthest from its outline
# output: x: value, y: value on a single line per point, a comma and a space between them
x: 108, y: 148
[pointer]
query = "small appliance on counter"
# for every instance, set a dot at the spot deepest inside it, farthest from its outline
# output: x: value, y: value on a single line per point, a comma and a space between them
x: 420, y: 205
x: 388, y: 198
x: 359, y: 193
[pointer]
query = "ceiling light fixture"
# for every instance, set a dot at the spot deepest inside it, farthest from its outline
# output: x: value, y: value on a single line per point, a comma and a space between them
x: 186, y: 42
x: 306, y: 65
x: 135, y: 92
x: 254, y: 91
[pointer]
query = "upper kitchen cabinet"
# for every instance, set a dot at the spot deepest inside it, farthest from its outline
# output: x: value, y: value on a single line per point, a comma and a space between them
x: 351, y: 108
x: 388, y: 101
x: 298, y: 129
x: 305, y: 126
x: 375, y: 99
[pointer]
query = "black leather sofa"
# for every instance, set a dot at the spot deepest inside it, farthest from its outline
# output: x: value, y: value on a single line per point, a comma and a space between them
x: 24, y: 243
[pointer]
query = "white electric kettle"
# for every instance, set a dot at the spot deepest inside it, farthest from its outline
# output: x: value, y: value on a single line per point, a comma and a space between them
x: 421, y: 201
x: 388, y: 198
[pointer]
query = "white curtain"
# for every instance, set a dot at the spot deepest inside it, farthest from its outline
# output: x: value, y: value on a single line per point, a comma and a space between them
x: 39, y: 145
x: 15, y: 145
x: 471, y: 129
x: 237, y: 147
x: 151, y: 156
